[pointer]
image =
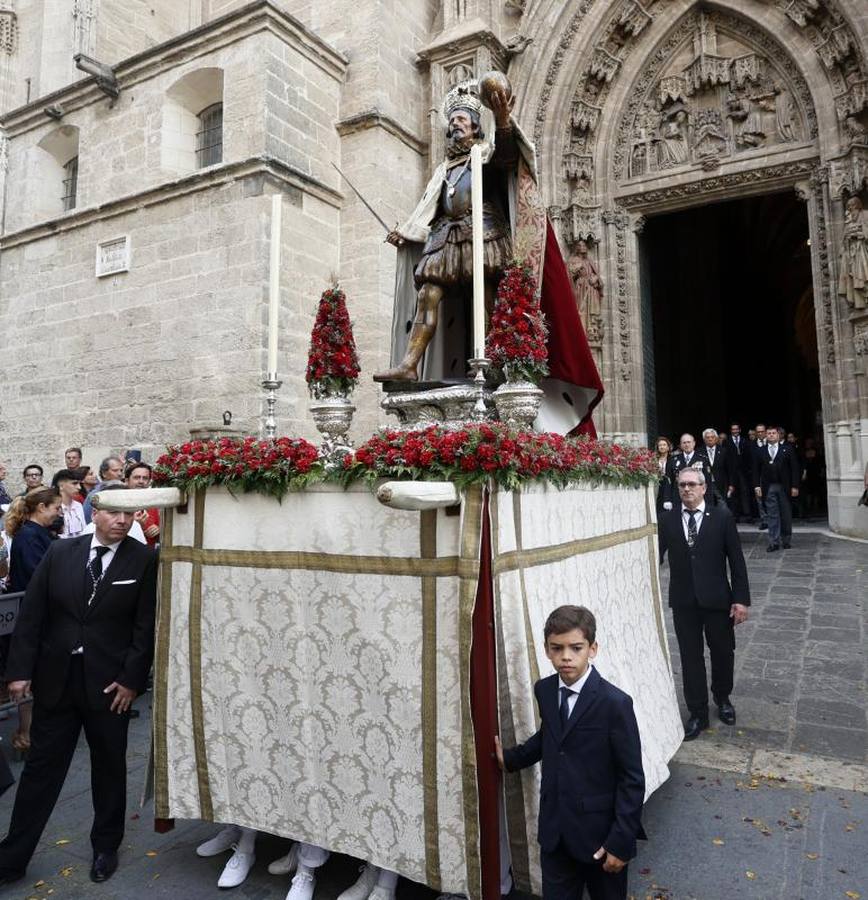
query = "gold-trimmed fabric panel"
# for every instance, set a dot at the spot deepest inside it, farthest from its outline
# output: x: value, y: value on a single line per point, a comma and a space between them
x: 195, y: 639
x: 161, y: 677
x: 428, y: 548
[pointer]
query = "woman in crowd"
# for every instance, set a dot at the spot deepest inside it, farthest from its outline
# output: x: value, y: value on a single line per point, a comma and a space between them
x: 663, y: 448
x: 30, y: 522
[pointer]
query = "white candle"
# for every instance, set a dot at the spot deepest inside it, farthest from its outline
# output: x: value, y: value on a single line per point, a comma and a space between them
x: 274, y: 284
x: 478, y: 254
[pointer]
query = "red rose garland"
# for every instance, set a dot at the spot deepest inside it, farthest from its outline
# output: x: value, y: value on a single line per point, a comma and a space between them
x: 516, y: 341
x: 332, y: 363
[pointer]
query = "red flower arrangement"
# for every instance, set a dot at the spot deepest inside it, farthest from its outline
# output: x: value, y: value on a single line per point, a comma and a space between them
x: 266, y: 467
x: 332, y: 363
x: 499, y: 452
x: 516, y: 341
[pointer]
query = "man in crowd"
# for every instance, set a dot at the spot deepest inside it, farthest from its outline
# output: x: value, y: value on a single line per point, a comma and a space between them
x: 719, y: 465
x: 72, y: 456
x: 687, y: 456
x: 32, y: 478
x: 110, y: 469
x: 4, y: 492
x: 776, y: 478
x: 68, y: 483
x: 84, y: 639
x: 701, y: 541
x: 758, y: 444
x: 741, y: 466
x: 138, y: 476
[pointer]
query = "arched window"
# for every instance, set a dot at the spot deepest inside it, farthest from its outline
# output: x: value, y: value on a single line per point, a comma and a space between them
x: 70, y: 184
x: 55, y: 173
x: 209, y: 138
x: 192, y: 127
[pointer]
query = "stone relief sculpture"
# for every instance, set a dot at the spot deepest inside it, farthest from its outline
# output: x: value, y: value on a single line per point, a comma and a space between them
x: 717, y: 97
x: 588, y: 288
x: 853, y: 278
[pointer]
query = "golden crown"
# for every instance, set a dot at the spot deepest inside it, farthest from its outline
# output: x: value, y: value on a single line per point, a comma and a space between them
x: 463, y: 96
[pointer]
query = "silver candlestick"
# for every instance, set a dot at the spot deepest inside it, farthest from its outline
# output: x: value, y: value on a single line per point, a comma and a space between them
x: 479, y: 366
x: 270, y: 385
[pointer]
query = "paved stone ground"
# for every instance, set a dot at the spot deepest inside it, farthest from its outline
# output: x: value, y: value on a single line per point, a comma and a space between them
x: 774, y: 808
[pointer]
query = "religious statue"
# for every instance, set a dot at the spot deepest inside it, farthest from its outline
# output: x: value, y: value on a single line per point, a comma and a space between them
x: 589, y: 291
x: 442, y: 222
x: 853, y: 279
x: 434, y: 271
x: 673, y: 148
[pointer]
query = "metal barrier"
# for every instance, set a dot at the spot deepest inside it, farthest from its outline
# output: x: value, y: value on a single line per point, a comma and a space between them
x: 9, y: 604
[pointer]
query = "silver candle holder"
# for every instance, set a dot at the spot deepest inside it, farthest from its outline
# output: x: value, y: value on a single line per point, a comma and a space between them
x: 270, y: 384
x: 479, y: 366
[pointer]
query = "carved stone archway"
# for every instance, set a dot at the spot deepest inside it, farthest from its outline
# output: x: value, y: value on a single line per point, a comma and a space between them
x: 661, y: 104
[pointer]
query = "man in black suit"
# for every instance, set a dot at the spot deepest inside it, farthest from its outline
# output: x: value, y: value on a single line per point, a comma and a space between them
x: 719, y: 464
x: 740, y: 452
x: 758, y: 445
x: 84, y: 639
x: 776, y: 477
x: 701, y: 540
x: 687, y: 456
x: 593, y: 785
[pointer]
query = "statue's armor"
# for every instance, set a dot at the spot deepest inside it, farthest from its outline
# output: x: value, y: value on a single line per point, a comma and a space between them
x: 447, y: 257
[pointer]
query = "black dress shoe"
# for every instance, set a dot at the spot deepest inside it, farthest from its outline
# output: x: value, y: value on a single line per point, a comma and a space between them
x: 694, y: 727
x: 764, y: 526
x: 786, y: 545
x: 10, y: 876
x: 726, y: 712
x: 772, y: 547
x: 104, y: 865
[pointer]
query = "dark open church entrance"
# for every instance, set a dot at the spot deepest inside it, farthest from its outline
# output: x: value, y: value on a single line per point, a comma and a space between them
x: 729, y: 318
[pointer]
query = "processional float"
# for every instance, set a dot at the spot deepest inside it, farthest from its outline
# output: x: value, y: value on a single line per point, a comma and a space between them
x: 333, y: 664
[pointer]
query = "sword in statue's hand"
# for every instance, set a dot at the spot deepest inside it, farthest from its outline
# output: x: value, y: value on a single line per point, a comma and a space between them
x: 392, y: 235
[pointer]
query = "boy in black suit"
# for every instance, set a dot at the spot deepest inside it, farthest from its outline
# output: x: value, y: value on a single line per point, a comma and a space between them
x: 593, y: 785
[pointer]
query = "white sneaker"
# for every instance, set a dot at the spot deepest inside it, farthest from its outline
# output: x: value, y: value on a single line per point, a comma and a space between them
x: 382, y: 893
x: 235, y: 871
x: 221, y: 841
x: 302, y: 887
x: 365, y: 883
x: 286, y: 865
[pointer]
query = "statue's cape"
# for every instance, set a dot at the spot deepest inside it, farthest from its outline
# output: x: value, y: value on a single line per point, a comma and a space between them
x: 573, y: 387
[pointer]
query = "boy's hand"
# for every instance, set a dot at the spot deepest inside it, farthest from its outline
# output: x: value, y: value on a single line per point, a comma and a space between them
x: 498, y: 751
x: 612, y: 863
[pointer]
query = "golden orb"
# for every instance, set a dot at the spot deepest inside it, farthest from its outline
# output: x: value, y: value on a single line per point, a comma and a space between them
x: 492, y: 81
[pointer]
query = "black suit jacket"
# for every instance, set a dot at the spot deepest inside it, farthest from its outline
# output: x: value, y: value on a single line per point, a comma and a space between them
x: 116, y: 629
x: 677, y: 462
x: 722, y: 473
x: 593, y: 785
x: 741, y: 457
x: 698, y: 575
x: 785, y: 470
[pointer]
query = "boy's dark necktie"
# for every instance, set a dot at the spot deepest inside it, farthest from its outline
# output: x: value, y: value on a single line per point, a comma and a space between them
x: 94, y: 571
x: 565, y: 707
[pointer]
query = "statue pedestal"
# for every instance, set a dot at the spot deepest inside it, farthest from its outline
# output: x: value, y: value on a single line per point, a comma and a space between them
x: 422, y: 403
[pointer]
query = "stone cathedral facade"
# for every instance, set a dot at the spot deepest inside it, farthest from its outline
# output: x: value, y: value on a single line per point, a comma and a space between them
x: 141, y: 142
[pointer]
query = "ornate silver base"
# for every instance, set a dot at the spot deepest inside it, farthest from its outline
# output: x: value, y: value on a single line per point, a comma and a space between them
x: 451, y: 407
x: 518, y: 402
x: 333, y: 415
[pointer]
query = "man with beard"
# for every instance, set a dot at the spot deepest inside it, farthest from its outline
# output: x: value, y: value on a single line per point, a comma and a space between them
x: 446, y: 263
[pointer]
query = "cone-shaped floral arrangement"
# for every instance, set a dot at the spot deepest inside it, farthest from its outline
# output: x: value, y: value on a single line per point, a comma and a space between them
x: 516, y: 341
x: 332, y: 362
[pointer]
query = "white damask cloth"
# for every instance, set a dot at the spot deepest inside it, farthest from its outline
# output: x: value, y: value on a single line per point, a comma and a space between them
x: 312, y: 667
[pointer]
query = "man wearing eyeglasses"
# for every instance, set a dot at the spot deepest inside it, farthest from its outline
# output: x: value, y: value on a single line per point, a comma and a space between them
x: 702, y: 540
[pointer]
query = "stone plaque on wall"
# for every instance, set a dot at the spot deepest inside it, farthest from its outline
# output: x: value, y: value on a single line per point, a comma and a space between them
x: 113, y: 256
